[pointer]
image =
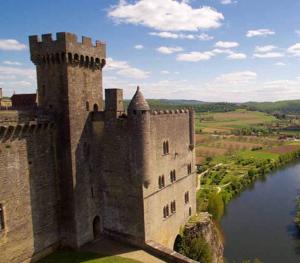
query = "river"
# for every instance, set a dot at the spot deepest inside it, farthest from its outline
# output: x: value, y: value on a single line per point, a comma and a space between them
x: 259, y: 222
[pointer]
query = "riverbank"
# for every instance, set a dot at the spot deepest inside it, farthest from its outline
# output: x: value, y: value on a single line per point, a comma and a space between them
x: 297, y: 217
x: 223, y: 182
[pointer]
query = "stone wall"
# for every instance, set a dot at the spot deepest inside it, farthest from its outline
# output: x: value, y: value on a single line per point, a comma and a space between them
x: 174, y: 128
x: 29, y: 195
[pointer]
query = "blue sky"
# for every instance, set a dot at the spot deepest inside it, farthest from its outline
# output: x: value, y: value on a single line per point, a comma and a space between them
x: 212, y: 50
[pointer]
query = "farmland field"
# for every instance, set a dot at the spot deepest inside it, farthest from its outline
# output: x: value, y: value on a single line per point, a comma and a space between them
x: 227, y: 121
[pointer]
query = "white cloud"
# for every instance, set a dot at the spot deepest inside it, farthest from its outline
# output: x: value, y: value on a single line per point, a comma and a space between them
x: 165, y: 35
x: 169, y: 50
x: 222, y: 44
x: 165, y: 72
x: 260, y: 32
x: 281, y: 64
x: 11, y: 44
x: 195, y: 56
x: 297, y: 32
x: 237, y: 56
x: 228, y: 2
x: 12, y: 63
x: 294, y: 50
x: 268, y: 55
x: 167, y: 15
x: 202, y: 36
x: 123, y: 68
x: 17, y: 79
x: 138, y: 46
x: 263, y: 49
x: 205, y: 37
x: 236, y: 78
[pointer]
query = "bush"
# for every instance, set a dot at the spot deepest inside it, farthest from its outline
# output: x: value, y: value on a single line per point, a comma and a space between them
x: 215, y: 206
x: 198, y: 249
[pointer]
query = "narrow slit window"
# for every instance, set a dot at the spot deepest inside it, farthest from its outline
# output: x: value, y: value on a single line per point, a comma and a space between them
x: 1, y: 218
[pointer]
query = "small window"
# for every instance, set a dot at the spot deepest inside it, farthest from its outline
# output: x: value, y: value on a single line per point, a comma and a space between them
x: 173, y: 207
x: 186, y: 197
x: 189, y: 168
x: 1, y: 218
x: 166, y: 147
x: 161, y: 181
x: 190, y: 211
x: 173, y: 176
x: 167, y: 210
x: 87, y: 106
x: 96, y: 108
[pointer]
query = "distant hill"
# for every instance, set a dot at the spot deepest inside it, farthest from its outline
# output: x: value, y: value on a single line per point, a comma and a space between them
x: 279, y: 107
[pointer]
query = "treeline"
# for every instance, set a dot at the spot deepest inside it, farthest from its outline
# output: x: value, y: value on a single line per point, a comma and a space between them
x: 279, y: 107
x: 214, y: 202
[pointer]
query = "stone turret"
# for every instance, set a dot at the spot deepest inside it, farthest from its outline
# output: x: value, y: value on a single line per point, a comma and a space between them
x: 139, y: 120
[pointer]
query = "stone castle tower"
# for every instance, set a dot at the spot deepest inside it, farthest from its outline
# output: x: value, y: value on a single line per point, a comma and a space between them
x: 76, y: 168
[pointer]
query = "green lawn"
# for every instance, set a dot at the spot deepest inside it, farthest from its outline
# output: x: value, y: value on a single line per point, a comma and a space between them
x: 83, y: 257
x: 258, y: 155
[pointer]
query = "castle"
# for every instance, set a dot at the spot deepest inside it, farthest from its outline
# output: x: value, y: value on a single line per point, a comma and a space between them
x: 77, y: 166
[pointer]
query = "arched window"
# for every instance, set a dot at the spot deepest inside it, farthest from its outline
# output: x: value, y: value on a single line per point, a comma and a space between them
x: 165, y: 147
x: 163, y: 181
x: 190, y: 211
x: 87, y: 106
x: 87, y: 61
x: 95, y: 107
x: 173, y: 176
x: 70, y: 58
x: 81, y: 60
x: 167, y: 210
x: 189, y: 168
x: 186, y: 197
x: 76, y: 58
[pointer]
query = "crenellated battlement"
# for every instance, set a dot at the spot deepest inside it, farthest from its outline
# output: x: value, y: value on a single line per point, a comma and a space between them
x: 66, y: 49
x: 19, y: 131
x: 169, y: 112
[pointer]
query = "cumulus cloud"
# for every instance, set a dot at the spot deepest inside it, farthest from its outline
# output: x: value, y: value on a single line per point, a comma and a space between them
x: 167, y: 15
x: 202, y: 36
x: 169, y: 50
x: 124, y: 69
x: 237, y: 56
x: 17, y: 79
x: 268, y: 55
x: 11, y: 44
x: 281, y: 64
x: 237, y: 78
x: 228, y: 2
x: 260, y: 32
x: 262, y: 49
x: 138, y: 46
x: 222, y: 44
x: 294, y: 50
x: 205, y: 37
x: 12, y: 63
x: 195, y: 56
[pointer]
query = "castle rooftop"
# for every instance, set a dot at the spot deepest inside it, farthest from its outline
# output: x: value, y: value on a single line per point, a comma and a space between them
x: 138, y: 101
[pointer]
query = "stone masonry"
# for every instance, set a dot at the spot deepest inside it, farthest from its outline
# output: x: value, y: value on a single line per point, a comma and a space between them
x: 73, y: 168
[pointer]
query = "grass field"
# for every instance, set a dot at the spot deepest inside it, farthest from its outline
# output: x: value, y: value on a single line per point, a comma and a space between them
x: 83, y: 257
x: 228, y: 121
x: 217, y: 139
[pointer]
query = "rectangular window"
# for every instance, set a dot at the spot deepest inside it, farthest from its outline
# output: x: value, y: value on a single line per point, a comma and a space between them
x: 189, y: 168
x: 186, y: 197
x: 1, y: 218
x: 166, y: 147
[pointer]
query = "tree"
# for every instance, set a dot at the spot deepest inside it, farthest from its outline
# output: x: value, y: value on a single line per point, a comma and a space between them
x: 216, y: 206
x: 199, y: 250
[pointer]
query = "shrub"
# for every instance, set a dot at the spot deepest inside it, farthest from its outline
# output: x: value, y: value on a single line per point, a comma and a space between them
x: 215, y: 206
x: 198, y: 249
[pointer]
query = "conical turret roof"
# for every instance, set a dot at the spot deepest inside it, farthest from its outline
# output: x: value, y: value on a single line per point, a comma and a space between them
x: 138, y: 101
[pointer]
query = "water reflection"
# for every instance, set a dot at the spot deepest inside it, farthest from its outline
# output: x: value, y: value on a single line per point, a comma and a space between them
x: 259, y: 223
